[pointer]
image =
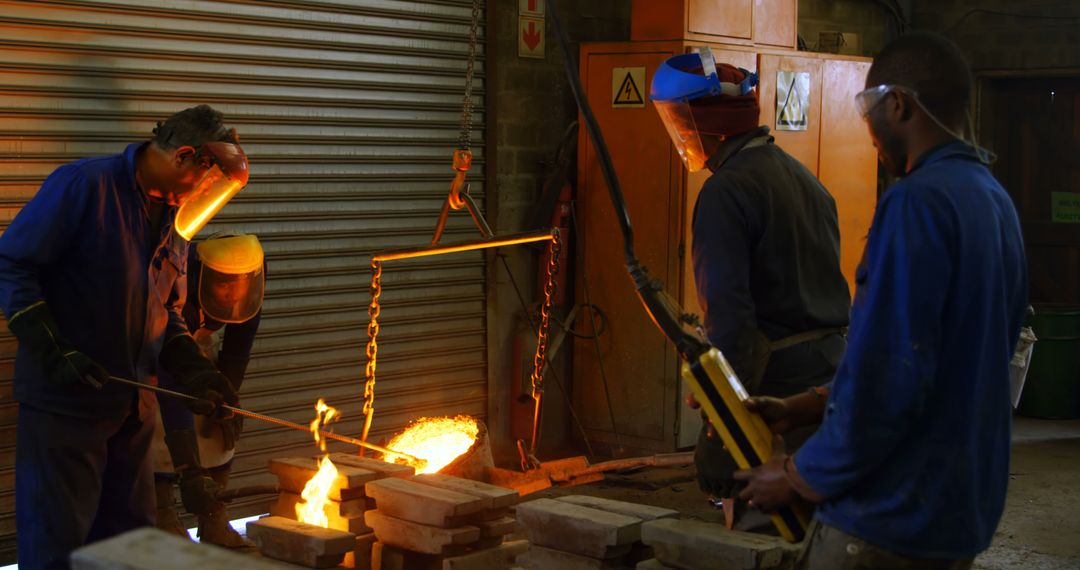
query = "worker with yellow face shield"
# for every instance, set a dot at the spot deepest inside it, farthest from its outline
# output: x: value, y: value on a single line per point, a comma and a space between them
x: 92, y: 282
x: 226, y: 281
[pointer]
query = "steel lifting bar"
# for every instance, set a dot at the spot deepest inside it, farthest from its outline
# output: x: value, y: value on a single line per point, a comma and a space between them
x: 374, y: 309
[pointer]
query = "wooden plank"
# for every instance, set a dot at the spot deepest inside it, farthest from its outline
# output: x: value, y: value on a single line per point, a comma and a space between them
x: 300, y: 543
x: 347, y: 516
x: 419, y: 537
x: 383, y: 468
x: 293, y: 473
x: 495, y: 497
x: 408, y: 500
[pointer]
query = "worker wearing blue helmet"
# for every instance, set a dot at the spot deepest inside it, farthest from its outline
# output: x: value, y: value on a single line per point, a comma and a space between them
x: 766, y: 245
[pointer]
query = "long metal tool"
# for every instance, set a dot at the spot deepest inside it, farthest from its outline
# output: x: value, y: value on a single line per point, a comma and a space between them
x: 416, y: 461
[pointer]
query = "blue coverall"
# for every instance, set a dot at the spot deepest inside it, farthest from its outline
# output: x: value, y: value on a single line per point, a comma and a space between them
x: 913, y: 453
x: 86, y: 245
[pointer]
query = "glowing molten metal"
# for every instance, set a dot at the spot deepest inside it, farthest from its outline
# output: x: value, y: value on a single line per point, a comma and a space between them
x: 315, y: 495
x: 438, y: 440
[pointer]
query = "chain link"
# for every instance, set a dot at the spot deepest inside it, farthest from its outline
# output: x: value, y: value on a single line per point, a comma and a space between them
x: 372, y: 344
x: 465, y: 137
x: 554, y: 248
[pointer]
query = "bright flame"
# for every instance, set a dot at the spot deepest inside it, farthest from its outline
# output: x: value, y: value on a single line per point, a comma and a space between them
x: 311, y: 510
x: 324, y: 414
x: 438, y: 440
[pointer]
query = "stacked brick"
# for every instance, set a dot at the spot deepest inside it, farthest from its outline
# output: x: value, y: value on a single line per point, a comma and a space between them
x: 696, y: 545
x: 345, y: 509
x: 585, y: 533
x: 441, y: 522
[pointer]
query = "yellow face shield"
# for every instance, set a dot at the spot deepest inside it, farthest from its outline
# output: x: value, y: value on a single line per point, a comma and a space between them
x: 231, y: 280
x: 226, y: 174
x: 679, y: 122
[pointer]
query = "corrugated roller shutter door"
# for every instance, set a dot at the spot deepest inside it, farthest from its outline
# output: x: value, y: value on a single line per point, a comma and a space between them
x: 349, y: 111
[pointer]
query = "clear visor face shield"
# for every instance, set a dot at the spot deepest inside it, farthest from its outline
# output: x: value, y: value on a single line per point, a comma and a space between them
x: 226, y: 174
x: 679, y: 122
x: 230, y: 297
x: 867, y: 99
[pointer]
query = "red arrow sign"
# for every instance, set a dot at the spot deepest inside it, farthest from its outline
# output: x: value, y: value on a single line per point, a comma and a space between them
x: 531, y: 36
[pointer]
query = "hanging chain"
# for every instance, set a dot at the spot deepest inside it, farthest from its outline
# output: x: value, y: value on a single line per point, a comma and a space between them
x: 372, y: 344
x: 465, y: 137
x: 554, y: 248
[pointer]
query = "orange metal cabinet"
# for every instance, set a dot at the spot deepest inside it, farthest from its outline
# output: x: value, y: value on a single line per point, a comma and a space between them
x: 638, y: 364
x: 776, y: 23
x: 847, y: 161
x: 760, y: 22
x: 803, y: 145
x: 637, y: 359
x: 730, y: 18
x: 704, y: 20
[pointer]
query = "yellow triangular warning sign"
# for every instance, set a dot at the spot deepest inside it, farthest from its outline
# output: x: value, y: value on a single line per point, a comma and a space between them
x: 628, y: 93
x: 791, y: 114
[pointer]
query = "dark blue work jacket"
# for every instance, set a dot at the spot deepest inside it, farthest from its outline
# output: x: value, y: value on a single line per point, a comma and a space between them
x: 84, y: 244
x: 913, y: 454
x: 766, y: 255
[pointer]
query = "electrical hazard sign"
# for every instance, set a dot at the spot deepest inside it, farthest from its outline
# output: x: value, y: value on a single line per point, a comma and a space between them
x: 792, y: 100
x: 626, y: 87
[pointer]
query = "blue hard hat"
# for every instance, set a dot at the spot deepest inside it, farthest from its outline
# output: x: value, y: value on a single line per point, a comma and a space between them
x: 681, y: 77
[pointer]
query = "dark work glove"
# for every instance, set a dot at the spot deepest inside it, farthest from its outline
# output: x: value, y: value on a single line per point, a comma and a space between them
x: 62, y: 364
x: 195, y: 372
x: 715, y: 467
x: 230, y: 428
x: 198, y: 491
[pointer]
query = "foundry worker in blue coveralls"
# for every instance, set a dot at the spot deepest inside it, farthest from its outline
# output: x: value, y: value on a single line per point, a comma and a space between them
x: 765, y: 248
x: 910, y: 465
x: 92, y: 281
x: 226, y: 280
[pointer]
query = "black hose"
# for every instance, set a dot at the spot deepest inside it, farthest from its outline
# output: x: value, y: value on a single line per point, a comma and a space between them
x: 650, y: 292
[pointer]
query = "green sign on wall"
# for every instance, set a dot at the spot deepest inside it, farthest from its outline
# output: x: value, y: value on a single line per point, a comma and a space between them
x: 1065, y: 207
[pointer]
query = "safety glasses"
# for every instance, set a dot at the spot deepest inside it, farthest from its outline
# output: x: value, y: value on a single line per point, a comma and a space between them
x: 867, y: 99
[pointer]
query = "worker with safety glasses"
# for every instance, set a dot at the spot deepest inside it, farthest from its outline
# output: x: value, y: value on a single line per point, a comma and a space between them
x: 92, y: 281
x: 225, y: 285
x: 910, y: 465
x: 765, y: 249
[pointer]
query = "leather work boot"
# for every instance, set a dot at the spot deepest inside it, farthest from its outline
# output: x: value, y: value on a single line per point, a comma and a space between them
x: 214, y: 527
x: 167, y: 519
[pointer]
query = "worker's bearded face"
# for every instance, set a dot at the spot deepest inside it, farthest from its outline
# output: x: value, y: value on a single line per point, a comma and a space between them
x: 889, y: 142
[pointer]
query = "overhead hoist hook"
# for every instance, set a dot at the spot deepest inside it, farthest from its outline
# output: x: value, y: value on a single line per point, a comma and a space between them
x: 459, y: 197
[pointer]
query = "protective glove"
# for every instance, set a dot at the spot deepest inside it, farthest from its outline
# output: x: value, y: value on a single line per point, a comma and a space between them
x: 198, y: 491
x: 62, y: 364
x: 182, y: 358
x: 230, y: 429
x: 715, y: 466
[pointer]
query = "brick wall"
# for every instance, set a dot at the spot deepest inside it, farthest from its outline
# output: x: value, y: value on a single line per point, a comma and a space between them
x: 1047, y: 38
x: 533, y: 107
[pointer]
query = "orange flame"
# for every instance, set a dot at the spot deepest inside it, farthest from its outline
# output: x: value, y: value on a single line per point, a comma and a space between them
x: 324, y: 414
x: 312, y: 509
x: 438, y: 440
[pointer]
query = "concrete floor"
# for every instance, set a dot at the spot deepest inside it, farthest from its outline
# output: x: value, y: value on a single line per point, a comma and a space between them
x: 1040, y: 529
